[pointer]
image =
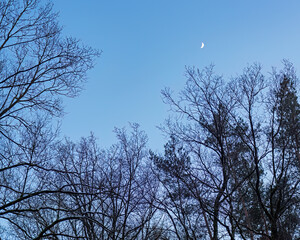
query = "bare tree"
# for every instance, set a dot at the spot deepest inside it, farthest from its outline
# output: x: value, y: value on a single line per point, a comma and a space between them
x: 38, y: 66
x: 110, y: 193
x: 204, y: 127
x: 243, y: 147
x: 271, y: 139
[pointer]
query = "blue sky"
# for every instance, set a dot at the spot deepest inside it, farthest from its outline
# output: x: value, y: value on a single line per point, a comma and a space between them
x: 147, y: 44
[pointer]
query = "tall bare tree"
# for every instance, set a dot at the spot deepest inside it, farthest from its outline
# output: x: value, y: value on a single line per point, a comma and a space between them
x: 243, y: 147
x: 204, y: 127
x: 38, y: 66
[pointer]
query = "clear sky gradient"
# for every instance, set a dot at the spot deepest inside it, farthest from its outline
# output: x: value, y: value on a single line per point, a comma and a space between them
x: 146, y: 45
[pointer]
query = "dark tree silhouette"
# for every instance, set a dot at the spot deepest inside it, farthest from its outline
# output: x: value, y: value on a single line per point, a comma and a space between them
x: 242, y: 142
x: 38, y: 66
x: 176, y: 202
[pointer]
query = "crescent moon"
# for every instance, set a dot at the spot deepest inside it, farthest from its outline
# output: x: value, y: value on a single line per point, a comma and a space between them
x: 202, y: 46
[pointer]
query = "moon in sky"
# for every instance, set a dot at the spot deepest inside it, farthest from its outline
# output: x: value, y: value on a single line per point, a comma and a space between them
x: 202, y: 46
